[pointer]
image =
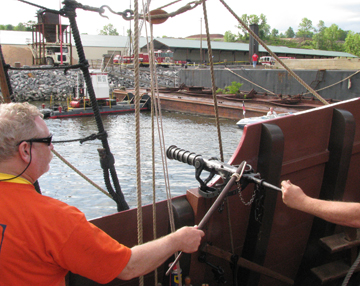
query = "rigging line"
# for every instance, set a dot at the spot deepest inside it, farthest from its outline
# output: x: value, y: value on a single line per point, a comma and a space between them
x: 256, y: 37
x: 250, y: 81
x: 156, y: 279
x: 80, y: 173
x: 158, y: 114
x: 216, y: 110
x: 340, y: 81
x: 137, y: 127
x: 187, y: 7
x: 167, y: 5
x: 217, y: 114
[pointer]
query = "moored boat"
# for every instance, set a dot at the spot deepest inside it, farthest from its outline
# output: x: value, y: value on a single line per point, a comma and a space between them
x: 115, y: 102
x: 106, y: 107
x: 250, y: 120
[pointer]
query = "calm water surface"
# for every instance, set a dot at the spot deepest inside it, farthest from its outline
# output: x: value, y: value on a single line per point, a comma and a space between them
x: 193, y: 133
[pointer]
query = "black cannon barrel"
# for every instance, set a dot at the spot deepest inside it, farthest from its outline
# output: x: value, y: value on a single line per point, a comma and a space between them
x: 220, y: 168
x: 175, y: 153
x: 210, y: 165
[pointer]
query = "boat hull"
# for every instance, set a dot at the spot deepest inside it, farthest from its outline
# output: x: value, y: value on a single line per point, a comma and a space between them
x: 88, y: 111
x: 227, y: 106
x: 318, y: 150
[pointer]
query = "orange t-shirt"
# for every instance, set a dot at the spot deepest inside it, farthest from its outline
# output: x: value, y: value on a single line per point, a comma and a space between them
x: 41, y: 239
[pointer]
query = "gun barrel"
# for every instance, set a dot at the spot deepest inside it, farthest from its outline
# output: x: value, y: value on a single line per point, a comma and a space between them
x: 175, y: 153
x: 181, y: 155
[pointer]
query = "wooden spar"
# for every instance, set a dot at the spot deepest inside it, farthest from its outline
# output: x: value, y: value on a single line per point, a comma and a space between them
x: 235, y: 177
x: 3, y: 83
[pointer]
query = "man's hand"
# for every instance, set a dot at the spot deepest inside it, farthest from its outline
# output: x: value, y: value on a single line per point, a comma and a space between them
x: 189, y: 238
x: 292, y: 195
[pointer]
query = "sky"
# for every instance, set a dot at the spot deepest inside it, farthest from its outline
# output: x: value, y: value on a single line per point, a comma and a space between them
x: 280, y: 14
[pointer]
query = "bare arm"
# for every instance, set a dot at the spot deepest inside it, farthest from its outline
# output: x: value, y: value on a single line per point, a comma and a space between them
x: 342, y: 213
x: 147, y: 257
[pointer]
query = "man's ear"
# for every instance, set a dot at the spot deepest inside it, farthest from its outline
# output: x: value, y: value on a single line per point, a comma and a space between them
x: 24, y: 151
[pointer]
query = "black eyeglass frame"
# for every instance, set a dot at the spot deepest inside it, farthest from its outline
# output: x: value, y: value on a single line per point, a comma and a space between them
x: 47, y: 140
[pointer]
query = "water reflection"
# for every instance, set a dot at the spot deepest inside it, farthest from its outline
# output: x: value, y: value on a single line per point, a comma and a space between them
x: 194, y: 133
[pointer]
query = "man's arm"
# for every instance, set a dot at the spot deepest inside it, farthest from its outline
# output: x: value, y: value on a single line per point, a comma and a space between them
x: 342, y: 213
x: 147, y: 257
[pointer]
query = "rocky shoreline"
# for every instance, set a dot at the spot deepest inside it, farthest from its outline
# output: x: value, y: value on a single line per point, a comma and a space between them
x: 46, y: 85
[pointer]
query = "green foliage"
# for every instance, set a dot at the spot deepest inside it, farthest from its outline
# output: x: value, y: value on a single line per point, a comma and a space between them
x: 109, y: 29
x: 305, y: 29
x: 264, y: 28
x: 328, y: 38
x: 234, y: 88
x: 290, y: 33
x: 20, y: 27
x: 229, y: 37
x: 274, y: 33
x: 352, y: 43
x: 319, y: 37
x: 332, y: 35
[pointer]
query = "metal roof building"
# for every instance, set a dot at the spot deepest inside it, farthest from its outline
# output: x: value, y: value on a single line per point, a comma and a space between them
x: 190, y: 49
x: 96, y: 46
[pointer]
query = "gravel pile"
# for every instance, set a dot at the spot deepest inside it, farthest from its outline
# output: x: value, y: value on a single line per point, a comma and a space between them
x: 41, y: 85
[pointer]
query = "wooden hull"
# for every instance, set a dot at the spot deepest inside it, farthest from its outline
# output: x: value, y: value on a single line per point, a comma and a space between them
x: 228, y: 106
x: 88, y: 111
x: 318, y: 150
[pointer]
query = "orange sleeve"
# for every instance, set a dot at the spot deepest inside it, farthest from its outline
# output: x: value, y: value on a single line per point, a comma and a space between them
x: 92, y: 253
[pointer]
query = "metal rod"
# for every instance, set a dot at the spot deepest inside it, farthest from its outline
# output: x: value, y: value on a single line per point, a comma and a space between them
x: 215, y: 205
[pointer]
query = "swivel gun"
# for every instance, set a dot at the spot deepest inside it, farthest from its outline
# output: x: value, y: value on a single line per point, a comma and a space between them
x: 215, y: 167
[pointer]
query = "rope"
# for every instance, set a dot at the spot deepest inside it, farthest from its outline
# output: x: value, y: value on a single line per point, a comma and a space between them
x: 157, y: 108
x: 256, y: 37
x: 167, y: 5
x: 213, y: 82
x: 189, y: 6
x: 250, y: 81
x: 217, y: 115
x: 137, y: 127
x: 340, y: 81
x: 81, y: 174
x: 152, y: 80
x: 351, y: 271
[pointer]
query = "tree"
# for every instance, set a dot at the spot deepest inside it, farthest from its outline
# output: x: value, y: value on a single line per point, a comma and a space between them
x: 274, y: 33
x: 29, y: 25
x: 352, y: 43
x: 9, y: 27
x: 343, y: 34
x: 20, y: 27
x: 264, y: 28
x: 229, y: 37
x: 332, y: 35
x: 305, y: 29
x: 109, y: 30
x: 319, y: 37
x: 290, y: 33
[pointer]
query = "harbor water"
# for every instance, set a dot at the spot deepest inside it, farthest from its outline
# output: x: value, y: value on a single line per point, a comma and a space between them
x: 197, y: 134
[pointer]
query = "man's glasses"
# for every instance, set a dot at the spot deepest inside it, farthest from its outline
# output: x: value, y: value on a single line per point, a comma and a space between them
x: 46, y: 140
